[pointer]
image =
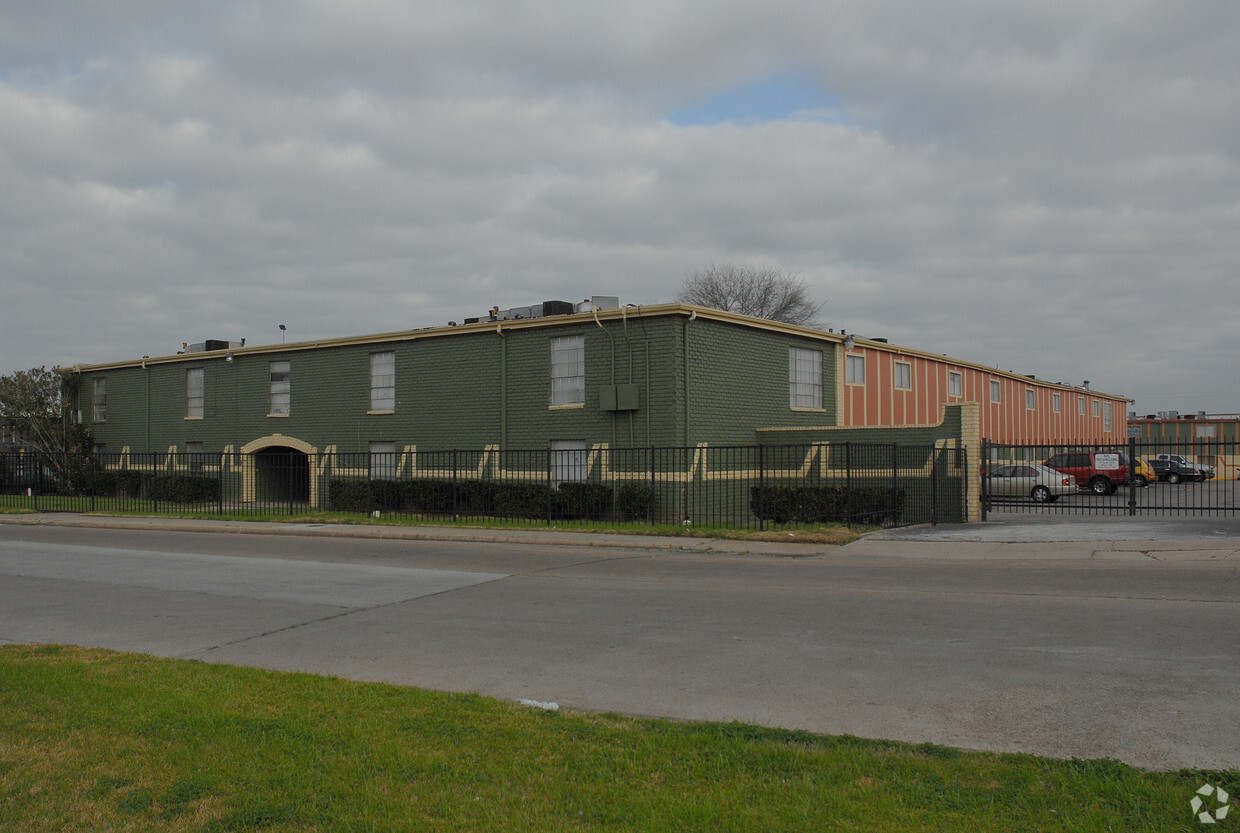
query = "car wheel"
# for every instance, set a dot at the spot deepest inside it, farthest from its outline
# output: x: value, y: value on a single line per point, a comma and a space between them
x: 1173, y: 477
x: 1040, y: 494
x: 1141, y: 481
x: 1101, y: 486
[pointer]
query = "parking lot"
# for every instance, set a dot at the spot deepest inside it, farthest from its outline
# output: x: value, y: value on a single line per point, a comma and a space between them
x: 1213, y: 497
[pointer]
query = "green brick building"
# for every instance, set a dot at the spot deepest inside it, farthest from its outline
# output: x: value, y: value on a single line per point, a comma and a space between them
x: 654, y: 377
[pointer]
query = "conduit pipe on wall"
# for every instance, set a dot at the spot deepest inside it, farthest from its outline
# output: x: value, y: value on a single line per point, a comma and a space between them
x: 610, y: 338
x: 503, y: 387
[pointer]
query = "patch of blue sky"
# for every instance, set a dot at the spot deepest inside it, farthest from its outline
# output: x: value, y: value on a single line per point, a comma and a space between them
x: 777, y: 98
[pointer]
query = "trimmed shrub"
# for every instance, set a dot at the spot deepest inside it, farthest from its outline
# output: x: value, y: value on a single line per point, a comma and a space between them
x: 635, y: 501
x: 182, y: 488
x: 827, y: 504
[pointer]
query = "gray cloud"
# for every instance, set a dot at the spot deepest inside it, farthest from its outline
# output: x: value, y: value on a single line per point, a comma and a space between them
x: 1048, y: 187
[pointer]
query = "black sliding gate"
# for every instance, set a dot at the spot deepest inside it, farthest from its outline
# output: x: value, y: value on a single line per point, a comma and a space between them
x: 1185, y: 479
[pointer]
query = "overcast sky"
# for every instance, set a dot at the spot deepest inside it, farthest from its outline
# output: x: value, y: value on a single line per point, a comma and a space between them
x: 1050, y: 186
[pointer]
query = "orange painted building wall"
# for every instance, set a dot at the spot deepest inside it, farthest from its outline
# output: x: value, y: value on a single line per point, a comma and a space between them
x: 1055, y: 416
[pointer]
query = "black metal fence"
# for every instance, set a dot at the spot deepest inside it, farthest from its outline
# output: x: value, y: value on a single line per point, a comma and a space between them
x: 1165, y: 479
x: 744, y: 487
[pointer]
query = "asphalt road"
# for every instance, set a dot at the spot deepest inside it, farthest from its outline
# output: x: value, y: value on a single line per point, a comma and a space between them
x: 1103, y: 647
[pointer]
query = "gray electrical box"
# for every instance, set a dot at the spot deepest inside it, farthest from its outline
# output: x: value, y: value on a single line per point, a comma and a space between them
x: 618, y: 397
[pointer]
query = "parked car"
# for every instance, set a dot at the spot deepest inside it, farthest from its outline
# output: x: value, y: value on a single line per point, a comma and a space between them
x: 1175, y: 467
x: 1030, y: 480
x: 1099, y: 471
x: 1142, y: 472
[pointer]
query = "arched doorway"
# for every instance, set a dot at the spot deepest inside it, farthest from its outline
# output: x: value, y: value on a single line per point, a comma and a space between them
x: 281, y: 476
x: 276, y: 472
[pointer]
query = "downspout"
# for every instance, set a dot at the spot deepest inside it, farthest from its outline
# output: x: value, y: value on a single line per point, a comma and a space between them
x: 649, y: 400
x: 628, y: 346
x: 148, y: 406
x: 503, y: 387
x: 611, y: 339
x: 685, y: 347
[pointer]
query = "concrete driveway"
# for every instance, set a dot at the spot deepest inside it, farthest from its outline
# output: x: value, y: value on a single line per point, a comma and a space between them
x: 1094, y: 645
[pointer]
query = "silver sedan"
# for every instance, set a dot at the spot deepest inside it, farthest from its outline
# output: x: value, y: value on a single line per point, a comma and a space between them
x: 1042, y: 484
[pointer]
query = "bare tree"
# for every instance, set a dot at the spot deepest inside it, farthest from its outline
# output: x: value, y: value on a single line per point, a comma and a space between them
x: 760, y: 291
x: 33, y: 407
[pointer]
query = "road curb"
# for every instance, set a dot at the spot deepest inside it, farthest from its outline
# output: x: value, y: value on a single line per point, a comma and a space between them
x: 446, y: 534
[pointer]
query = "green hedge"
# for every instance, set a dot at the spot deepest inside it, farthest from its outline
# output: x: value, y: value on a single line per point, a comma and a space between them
x: 827, y: 504
x: 145, y: 485
x: 490, y: 498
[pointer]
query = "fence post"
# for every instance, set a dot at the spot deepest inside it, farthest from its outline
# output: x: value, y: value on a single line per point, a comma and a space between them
x: 1132, y: 475
x: 848, y: 519
x: 985, y: 484
x: 653, y: 481
x: 761, y: 488
x: 154, y: 481
x: 219, y: 480
x: 934, y: 486
x: 550, y: 461
x: 456, y: 490
x: 895, y: 477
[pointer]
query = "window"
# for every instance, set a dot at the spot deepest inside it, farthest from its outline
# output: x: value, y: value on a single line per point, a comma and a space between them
x: 100, y: 411
x: 955, y: 383
x: 995, y: 391
x: 568, y: 370
x: 193, y: 393
x: 1031, y: 399
x: 568, y: 461
x: 1055, y: 402
x: 281, y: 389
x: 383, y: 461
x: 1080, y: 405
x: 194, y: 457
x: 1095, y: 407
x: 383, y: 381
x: 1106, y: 416
x: 804, y: 378
x: 855, y: 370
x: 904, y: 376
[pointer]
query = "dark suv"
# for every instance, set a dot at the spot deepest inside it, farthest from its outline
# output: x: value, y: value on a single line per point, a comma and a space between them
x: 1099, y: 471
x: 1174, y: 467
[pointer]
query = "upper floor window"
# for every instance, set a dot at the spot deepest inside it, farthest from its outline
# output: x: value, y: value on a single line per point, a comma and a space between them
x: 281, y: 389
x: 1095, y: 407
x: 955, y: 383
x: 995, y: 391
x: 1055, y: 402
x: 854, y: 370
x: 904, y: 376
x: 383, y: 381
x: 1031, y: 399
x: 1106, y: 416
x: 568, y: 370
x: 99, y: 412
x: 1080, y: 405
x: 804, y: 378
x: 193, y: 393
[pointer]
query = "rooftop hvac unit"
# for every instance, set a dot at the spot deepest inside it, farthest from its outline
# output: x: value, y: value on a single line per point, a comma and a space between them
x: 557, y: 308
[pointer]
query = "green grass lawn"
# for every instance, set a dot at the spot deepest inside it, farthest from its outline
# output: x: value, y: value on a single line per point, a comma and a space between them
x: 835, y: 534
x: 96, y: 740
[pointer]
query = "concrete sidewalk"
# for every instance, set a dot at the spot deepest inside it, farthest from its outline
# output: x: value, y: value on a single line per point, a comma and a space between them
x: 1018, y: 537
